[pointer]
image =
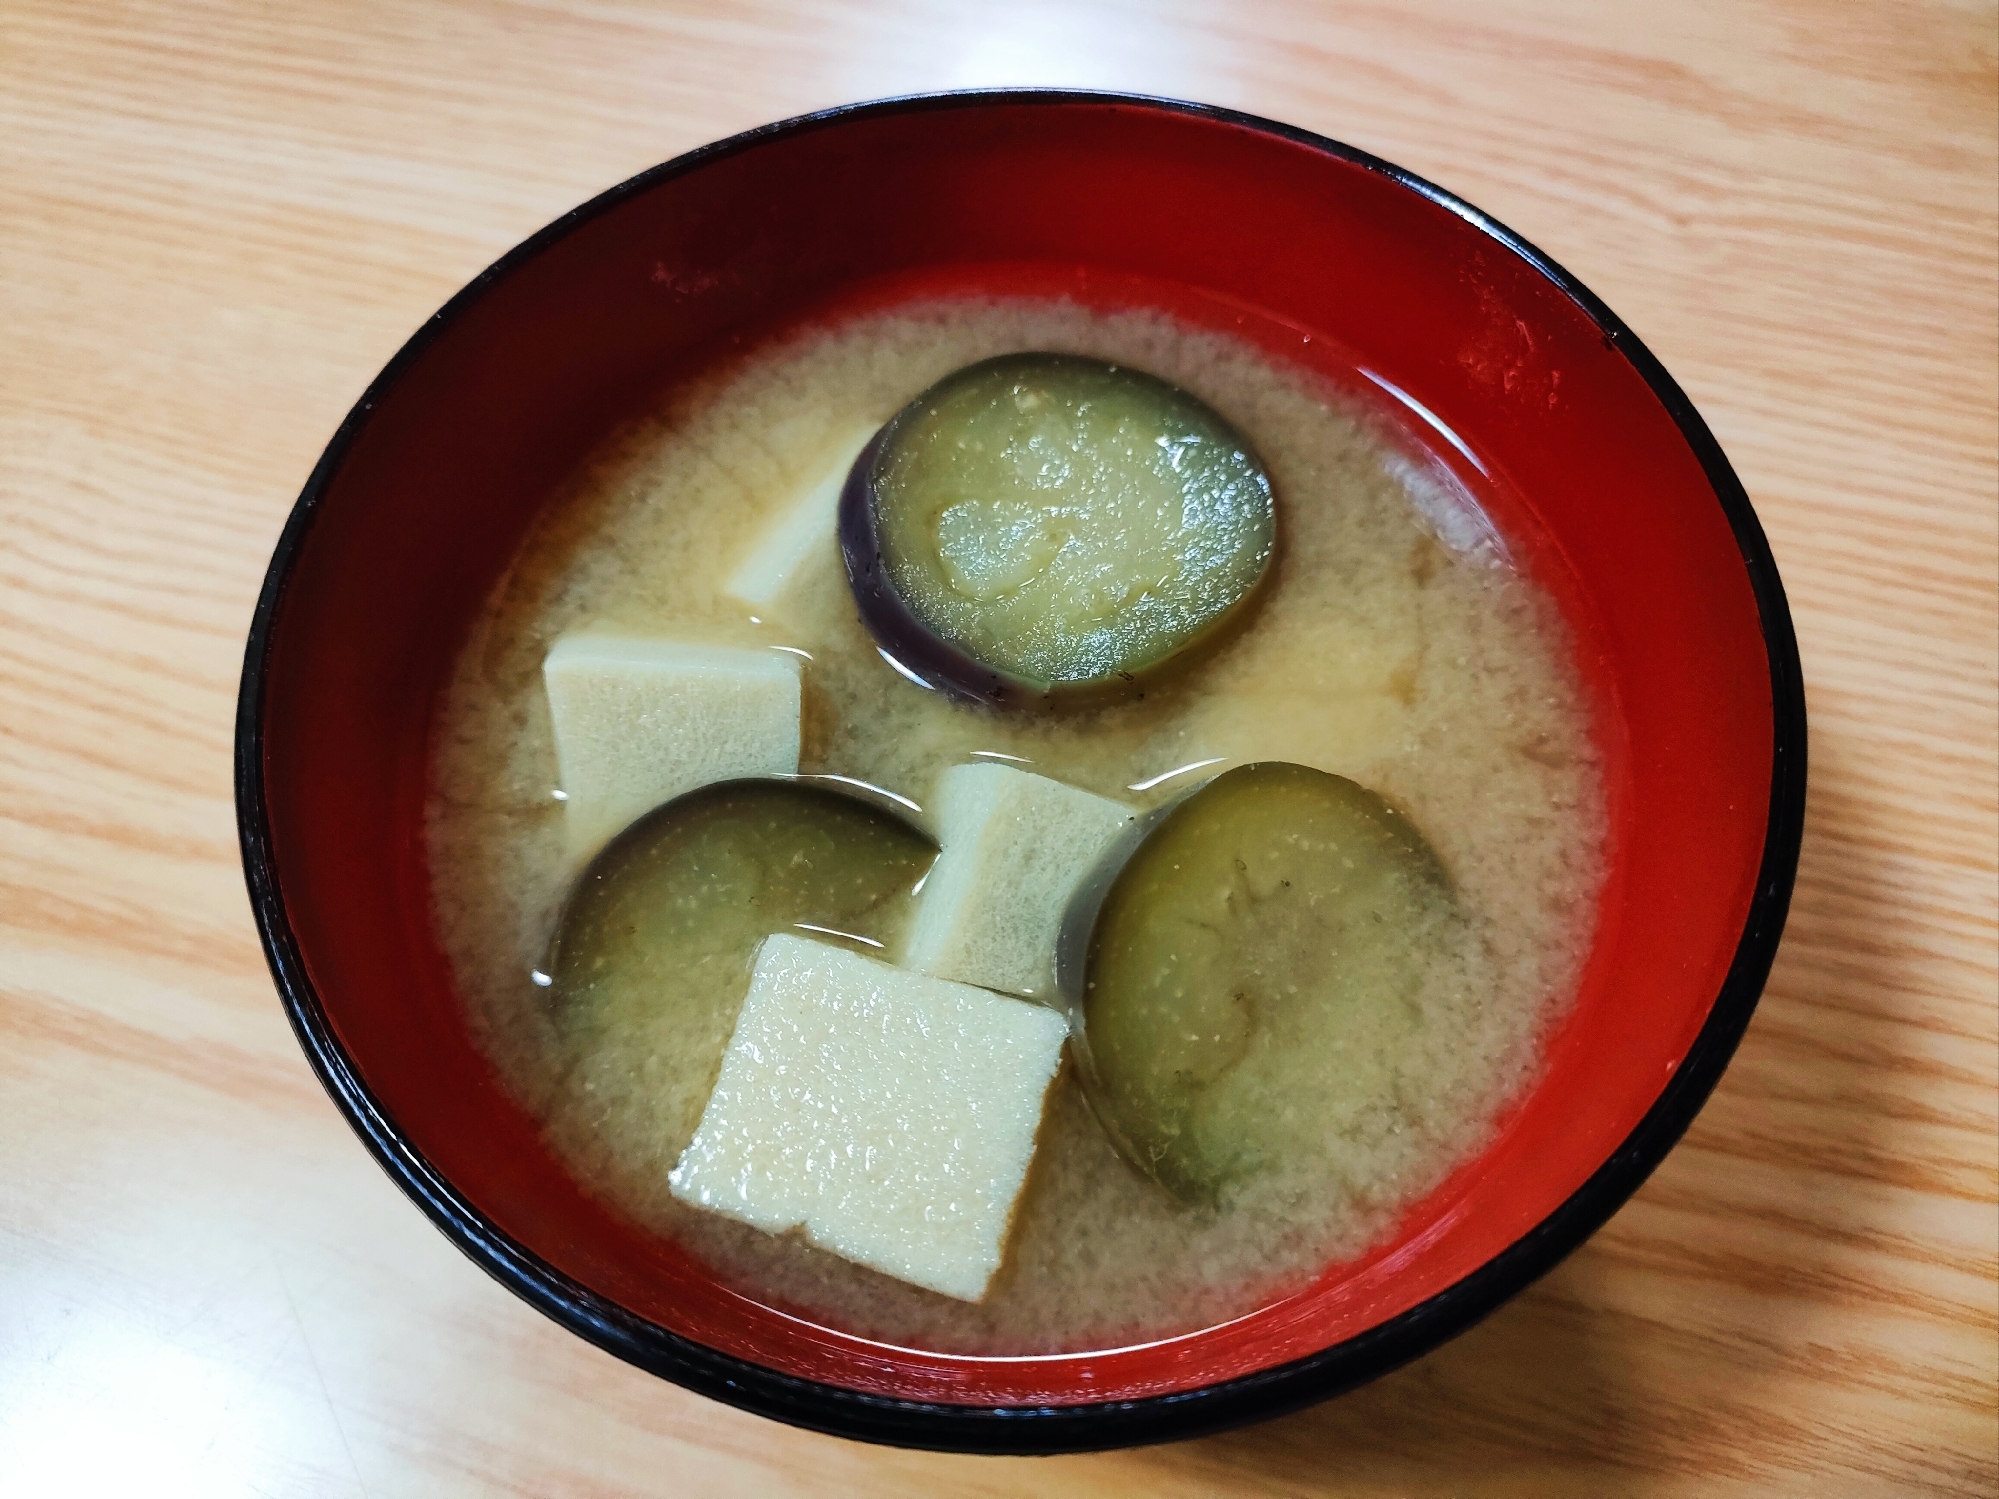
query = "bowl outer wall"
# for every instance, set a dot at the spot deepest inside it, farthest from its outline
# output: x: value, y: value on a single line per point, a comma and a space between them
x: 1666, y: 577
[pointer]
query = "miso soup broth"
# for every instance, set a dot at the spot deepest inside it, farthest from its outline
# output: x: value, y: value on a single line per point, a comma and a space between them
x: 1392, y: 644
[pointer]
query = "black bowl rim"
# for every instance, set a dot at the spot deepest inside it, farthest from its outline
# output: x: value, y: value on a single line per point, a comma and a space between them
x: 1057, y: 1428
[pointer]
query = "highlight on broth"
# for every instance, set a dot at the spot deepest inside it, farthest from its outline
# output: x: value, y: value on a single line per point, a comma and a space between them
x: 1008, y: 828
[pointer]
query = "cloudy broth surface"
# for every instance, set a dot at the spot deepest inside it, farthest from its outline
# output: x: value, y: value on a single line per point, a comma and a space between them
x: 1391, y: 644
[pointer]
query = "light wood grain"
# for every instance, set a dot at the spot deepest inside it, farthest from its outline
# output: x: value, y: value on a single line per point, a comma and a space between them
x: 217, y: 221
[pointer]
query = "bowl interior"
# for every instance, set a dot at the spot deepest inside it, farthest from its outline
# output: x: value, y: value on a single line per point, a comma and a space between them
x: 1327, y: 261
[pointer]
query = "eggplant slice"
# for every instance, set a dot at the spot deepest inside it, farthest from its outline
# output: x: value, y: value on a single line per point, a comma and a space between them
x: 655, y: 946
x: 1046, y: 527
x: 1254, y: 973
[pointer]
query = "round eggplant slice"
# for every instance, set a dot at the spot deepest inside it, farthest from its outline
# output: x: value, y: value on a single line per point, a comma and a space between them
x: 1254, y: 975
x: 1044, y: 525
x: 658, y: 937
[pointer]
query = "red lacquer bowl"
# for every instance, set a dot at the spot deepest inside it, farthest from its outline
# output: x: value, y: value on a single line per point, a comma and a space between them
x: 1605, y: 483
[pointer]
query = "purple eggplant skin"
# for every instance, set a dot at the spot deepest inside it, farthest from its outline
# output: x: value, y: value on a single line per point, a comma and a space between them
x: 919, y: 653
x: 896, y: 629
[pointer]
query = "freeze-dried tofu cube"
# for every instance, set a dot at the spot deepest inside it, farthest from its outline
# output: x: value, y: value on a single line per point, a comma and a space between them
x: 889, y: 1115
x: 639, y: 722
x: 1016, y: 845
x: 804, y: 531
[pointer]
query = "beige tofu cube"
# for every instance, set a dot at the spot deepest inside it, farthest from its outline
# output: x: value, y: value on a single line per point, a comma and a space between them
x: 889, y: 1115
x: 805, y: 532
x: 1015, y: 847
x: 639, y: 722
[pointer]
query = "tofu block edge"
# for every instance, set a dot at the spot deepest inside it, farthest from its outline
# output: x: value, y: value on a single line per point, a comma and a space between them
x: 785, y: 547
x: 638, y: 722
x: 1015, y: 846
x: 888, y: 1115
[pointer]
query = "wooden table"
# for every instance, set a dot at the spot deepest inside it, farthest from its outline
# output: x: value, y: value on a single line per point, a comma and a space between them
x: 219, y: 218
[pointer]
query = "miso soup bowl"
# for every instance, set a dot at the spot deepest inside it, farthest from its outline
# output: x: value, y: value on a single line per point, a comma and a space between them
x: 1587, y: 457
